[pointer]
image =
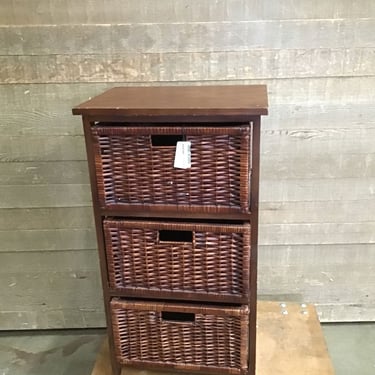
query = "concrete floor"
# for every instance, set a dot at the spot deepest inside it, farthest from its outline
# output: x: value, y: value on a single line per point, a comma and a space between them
x: 351, y: 346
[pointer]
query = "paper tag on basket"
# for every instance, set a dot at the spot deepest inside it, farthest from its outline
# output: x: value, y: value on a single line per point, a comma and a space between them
x: 182, y: 158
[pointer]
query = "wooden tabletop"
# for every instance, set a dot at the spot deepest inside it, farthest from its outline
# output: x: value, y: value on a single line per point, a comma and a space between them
x: 241, y: 100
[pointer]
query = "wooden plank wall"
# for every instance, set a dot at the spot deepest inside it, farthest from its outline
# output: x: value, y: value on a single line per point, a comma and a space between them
x: 317, y: 230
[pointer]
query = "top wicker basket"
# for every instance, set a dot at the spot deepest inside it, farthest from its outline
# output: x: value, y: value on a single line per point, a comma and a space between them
x: 135, y: 168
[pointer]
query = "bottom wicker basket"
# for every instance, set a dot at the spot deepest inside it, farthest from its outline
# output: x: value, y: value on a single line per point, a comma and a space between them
x: 188, y: 337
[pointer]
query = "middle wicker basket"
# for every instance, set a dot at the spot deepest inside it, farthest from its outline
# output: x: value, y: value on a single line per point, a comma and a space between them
x: 179, y: 260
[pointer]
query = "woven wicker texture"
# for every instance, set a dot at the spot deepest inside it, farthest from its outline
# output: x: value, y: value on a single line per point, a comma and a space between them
x: 131, y: 170
x: 215, y: 337
x: 215, y: 262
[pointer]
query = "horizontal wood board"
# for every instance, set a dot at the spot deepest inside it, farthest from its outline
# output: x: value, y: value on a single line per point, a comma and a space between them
x: 104, y: 39
x: 317, y: 155
x: 50, y: 12
x: 188, y: 66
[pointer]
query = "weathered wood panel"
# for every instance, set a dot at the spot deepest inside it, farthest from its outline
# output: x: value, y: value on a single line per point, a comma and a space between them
x: 331, y: 142
x: 47, y: 240
x: 347, y: 312
x: 274, y: 167
x: 353, y: 97
x: 292, y: 190
x: 317, y: 233
x: 318, y: 170
x: 109, y: 39
x: 46, y: 109
x: 270, y: 235
x: 317, y: 165
x: 286, y: 142
x: 357, y: 211
x: 39, y: 148
x: 330, y: 276
x: 308, y: 190
x: 43, y: 173
x: 284, y: 275
x: 46, y: 218
x: 184, y: 66
x: 37, y: 120
x: 37, y: 196
x: 68, y: 284
x: 270, y: 213
x: 151, y: 11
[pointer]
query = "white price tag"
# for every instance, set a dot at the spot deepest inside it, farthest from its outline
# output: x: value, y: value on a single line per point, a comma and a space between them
x: 182, y: 158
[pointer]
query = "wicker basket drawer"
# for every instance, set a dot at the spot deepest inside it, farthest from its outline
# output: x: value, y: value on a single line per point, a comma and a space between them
x: 179, y: 260
x: 135, y: 166
x: 181, y: 336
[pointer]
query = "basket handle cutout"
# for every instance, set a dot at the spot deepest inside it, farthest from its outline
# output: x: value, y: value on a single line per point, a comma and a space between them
x: 171, y: 316
x: 166, y: 140
x: 175, y: 236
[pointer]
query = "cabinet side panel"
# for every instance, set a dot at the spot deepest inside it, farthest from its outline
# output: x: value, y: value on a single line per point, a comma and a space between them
x: 100, y: 240
x: 254, y: 203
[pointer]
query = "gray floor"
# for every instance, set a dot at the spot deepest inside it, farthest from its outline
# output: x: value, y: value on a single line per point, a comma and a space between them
x: 351, y: 346
x: 49, y: 353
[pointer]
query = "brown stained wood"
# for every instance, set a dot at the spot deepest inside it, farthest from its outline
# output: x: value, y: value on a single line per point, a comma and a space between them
x: 287, y: 344
x: 131, y: 169
x: 100, y: 239
x: 254, y: 208
x: 239, y: 100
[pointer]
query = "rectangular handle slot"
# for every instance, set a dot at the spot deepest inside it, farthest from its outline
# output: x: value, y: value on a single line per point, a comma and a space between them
x: 170, y: 316
x: 175, y: 236
x: 169, y: 140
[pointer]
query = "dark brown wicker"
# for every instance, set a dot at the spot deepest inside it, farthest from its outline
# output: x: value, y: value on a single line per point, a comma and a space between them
x: 213, y: 264
x: 181, y: 336
x: 131, y: 170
